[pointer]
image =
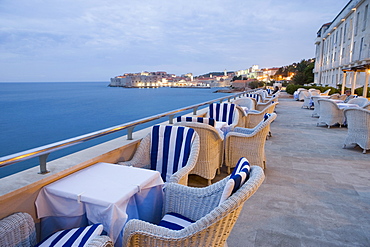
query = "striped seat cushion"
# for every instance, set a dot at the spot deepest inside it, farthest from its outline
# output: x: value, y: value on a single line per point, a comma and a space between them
x: 170, y: 148
x: 222, y: 112
x: 209, y: 121
x: 266, y: 116
x: 237, y: 178
x: 72, y: 237
x: 175, y: 221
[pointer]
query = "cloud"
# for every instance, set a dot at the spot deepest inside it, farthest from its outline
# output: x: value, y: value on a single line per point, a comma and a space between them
x: 94, y: 37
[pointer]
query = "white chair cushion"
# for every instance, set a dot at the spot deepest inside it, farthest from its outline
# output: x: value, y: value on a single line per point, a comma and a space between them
x: 175, y: 221
x: 237, y: 179
x: 72, y: 237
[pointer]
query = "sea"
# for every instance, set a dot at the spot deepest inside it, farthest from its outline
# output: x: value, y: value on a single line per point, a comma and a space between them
x: 35, y: 114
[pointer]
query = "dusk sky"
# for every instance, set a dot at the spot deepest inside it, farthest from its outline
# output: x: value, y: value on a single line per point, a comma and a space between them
x: 94, y: 40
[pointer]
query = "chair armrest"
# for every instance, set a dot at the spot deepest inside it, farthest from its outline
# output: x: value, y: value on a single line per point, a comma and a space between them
x: 141, y: 157
x: 100, y: 241
x: 245, y: 131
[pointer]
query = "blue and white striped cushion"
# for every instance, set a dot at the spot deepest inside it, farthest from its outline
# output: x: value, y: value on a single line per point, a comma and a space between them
x: 72, y: 237
x: 268, y: 90
x: 266, y: 116
x: 170, y: 148
x: 254, y: 96
x: 237, y: 178
x: 222, y: 112
x: 175, y: 221
x: 209, y: 121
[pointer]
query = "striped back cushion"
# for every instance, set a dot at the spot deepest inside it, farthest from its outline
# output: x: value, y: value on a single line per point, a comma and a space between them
x: 175, y: 221
x: 209, y: 121
x: 237, y: 178
x: 72, y: 237
x: 254, y: 96
x: 170, y: 148
x: 269, y: 91
x: 222, y: 112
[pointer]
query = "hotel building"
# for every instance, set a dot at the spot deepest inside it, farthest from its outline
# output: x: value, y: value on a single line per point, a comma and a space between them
x: 343, y: 48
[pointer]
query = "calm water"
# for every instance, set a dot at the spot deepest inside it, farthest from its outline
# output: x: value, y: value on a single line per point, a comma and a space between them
x: 36, y: 114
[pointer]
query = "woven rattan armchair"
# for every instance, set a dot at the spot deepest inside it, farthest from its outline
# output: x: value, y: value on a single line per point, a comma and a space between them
x: 142, y: 159
x: 306, y: 100
x: 358, y: 122
x: 18, y: 230
x: 360, y: 101
x: 255, y: 117
x: 210, y: 152
x: 213, y: 221
x: 330, y: 113
x: 248, y: 143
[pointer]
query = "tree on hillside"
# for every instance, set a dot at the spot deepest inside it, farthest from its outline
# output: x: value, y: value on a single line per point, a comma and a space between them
x: 304, y: 73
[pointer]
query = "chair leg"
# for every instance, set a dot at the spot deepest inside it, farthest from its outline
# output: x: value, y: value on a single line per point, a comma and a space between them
x: 364, y: 152
x: 209, y: 181
x: 228, y: 170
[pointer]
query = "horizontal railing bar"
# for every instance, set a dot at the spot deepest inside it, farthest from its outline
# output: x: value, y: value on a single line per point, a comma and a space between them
x: 46, y: 149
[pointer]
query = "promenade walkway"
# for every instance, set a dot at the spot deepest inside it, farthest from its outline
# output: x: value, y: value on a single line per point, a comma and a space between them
x: 315, y: 193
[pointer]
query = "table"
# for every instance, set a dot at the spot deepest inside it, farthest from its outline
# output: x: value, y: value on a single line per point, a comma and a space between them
x: 103, y: 193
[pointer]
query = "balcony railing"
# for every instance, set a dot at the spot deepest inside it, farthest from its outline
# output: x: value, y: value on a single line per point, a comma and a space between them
x: 43, y: 151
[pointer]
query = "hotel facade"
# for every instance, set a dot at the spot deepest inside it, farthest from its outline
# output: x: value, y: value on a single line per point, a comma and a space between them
x: 343, y: 48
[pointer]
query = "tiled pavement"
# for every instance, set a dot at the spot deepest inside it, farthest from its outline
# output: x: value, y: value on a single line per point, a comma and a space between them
x: 315, y: 193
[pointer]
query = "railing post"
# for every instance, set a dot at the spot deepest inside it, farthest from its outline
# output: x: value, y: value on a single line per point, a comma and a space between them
x: 130, y: 130
x: 42, y: 160
x: 170, y: 119
x: 195, y: 109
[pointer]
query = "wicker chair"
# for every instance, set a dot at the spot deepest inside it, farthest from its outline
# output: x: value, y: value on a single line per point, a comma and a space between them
x: 142, y: 159
x: 211, y: 149
x: 330, y: 113
x: 326, y: 93
x: 260, y: 106
x: 360, y: 101
x: 213, y: 220
x: 249, y: 143
x: 358, y: 121
x: 18, y: 230
x: 248, y: 102
x: 316, y: 109
x: 255, y: 117
x: 306, y: 100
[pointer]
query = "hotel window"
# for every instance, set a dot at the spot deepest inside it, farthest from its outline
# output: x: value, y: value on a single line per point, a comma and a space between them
x: 357, y: 20
x: 340, y: 35
x: 365, y: 17
x: 350, y: 28
x: 361, y: 44
x: 344, y: 33
x: 343, y: 50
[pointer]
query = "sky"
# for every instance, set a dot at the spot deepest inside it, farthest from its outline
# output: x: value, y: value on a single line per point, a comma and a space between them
x: 95, y: 40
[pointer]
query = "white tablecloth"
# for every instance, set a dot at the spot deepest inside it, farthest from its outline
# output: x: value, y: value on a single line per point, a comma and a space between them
x: 102, y: 192
x: 346, y: 105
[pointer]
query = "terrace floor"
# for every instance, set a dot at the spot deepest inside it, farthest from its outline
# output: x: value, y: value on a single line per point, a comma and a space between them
x: 315, y: 193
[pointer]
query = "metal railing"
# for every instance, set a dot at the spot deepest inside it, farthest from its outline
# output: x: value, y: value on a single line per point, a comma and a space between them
x: 44, y: 151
